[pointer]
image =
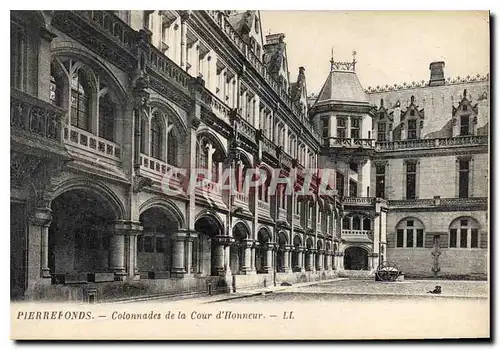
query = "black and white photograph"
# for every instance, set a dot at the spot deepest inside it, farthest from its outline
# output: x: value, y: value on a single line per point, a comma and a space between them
x: 249, y: 174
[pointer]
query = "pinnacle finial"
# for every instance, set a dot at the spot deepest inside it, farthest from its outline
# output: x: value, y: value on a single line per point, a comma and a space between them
x: 354, y: 53
x: 331, y: 61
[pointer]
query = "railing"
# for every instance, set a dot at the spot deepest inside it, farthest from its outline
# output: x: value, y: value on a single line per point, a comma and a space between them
x: 357, y: 233
x: 464, y: 201
x: 358, y: 200
x: 432, y: 143
x: 111, y: 24
x: 245, y: 128
x: 282, y: 214
x: 348, y: 142
x: 241, y: 197
x: 438, y: 201
x: 219, y: 108
x: 286, y: 159
x: 35, y: 116
x: 268, y: 146
x: 296, y: 219
x: 263, y: 205
x: 167, y: 68
x: 255, y: 61
x: 411, y: 203
x: 90, y: 142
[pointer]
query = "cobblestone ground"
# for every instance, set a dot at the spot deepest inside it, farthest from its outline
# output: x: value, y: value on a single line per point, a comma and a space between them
x: 372, y: 290
x: 408, y: 287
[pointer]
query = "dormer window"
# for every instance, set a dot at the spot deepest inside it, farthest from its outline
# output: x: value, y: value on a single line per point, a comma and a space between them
x: 464, y: 108
x: 412, y: 113
x: 464, y: 125
x: 412, y: 128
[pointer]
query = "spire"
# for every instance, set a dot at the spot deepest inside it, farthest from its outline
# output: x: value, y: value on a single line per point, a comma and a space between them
x: 332, y: 62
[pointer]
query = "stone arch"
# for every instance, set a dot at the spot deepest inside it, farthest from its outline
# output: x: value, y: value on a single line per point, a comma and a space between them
x: 242, y: 229
x: 400, y: 222
x: 356, y: 257
x: 65, y: 50
x: 157, y: 103
x: 97, y: 188
x: 214, y: 138
x: 212, y: 218
x: 167, y: 205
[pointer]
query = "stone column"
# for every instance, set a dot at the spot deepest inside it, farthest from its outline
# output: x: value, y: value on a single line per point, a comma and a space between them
x: 327, y: 259
x: 39, y: 226
x: 129, y: 231
x: 268, y: 267
x: 286, y: 258
x: 252, y: 265
x: 179, y: 239
x: 319, y: 258
x: 300, y: 259
x: 246, y: 268
x: 189, y: 256
x: 220, y: 258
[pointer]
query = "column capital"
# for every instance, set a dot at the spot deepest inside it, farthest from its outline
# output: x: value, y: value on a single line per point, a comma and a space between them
x: 288, y: 247
x: 184, y: 233
x: 270, y: 246
x: 125, y: 227
x: 248, y: 243
x: 223, y: 240
x: 41, y: 217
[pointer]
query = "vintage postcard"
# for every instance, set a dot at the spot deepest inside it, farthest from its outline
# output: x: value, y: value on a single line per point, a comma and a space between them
x: 249, y: 174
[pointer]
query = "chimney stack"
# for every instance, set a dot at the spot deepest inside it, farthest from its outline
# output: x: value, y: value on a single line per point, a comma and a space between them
x: 437, y: 73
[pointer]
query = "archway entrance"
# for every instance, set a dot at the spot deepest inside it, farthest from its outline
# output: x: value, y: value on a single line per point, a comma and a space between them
x: 296, y: 263
x: 154, y: 244
x: 280, y: 253
x: 79, y: 233
x: 237, y: 249
x: 210, y: 253
x: 263, y: 237
x: 355, y: 258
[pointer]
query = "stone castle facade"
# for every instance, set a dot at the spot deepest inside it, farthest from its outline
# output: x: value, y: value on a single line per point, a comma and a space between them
x: 109, y: 107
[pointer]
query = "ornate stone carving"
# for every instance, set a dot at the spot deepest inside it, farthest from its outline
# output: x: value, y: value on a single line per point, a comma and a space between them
x: 140, y: 182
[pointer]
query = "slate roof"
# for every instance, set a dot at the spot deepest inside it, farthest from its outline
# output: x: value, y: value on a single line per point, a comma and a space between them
x: 342, y: 87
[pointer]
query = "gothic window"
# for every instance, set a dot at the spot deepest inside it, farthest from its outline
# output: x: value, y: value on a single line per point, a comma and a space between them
x: 412, y: 129
x: 172, y: 147
x: 367, y: 224
x: 144, y: 126
x: 381, y: 131
x: 106, y: 118
x: 410, y: 234
x: 380, y: 180
x: 463, y: 178
x: 464, y: 125
x: 355, y: 133
x: 346, y: 223
x: 464, y: 233
x: 356, y: 223
x: 339, y: 182
x: 325, y: 132
x: 156, y: 137
x: 353, y: 188
x: 341, y: 125
x: 411, y: 180
x: 80, y: 101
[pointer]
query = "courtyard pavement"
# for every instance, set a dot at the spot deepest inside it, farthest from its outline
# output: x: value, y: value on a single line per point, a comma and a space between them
x: 342, y: 288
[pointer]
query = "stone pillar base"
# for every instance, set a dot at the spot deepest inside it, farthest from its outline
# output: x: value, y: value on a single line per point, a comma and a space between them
x: 46, y: 273
x: 268, y: 269
x: 178, y: 273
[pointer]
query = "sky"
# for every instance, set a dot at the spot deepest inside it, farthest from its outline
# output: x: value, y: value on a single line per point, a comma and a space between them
x: 391, y: 46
